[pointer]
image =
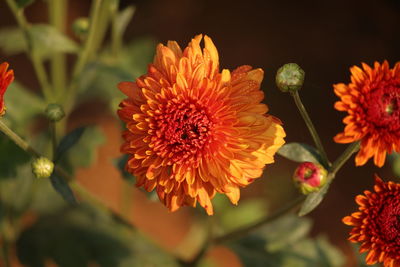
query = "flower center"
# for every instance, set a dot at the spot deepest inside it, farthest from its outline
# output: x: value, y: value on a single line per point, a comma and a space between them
x: 383, y: 106
x: 389, y: 220
x: 182, y: 131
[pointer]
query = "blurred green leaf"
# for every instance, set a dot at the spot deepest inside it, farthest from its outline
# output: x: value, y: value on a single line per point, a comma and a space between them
x: 11, y: 158
x: 100, y: 78
x: 84, y: 153
x: 45, y: 40
x: 252, y: 253
x: 24, y: 3
x: 122, y: 20
x: 313, y: 200
x: 305, y: 252
x: 12, y: 41
x: 395, y: 159
x: 232, y: 217
x: 62, y: 187
x: 286, y: 230
x: 68, y: 141
x: 72, y: 238
x: 16, y: 193
x: 312, y: 252
x: 300, y: 153
x: 22, y: 106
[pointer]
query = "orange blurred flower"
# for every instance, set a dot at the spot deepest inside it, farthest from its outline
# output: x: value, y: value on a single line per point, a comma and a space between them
x: 193, y: 130
x: 6, y: 77
x: 372, y: 100
x: 376, y: 224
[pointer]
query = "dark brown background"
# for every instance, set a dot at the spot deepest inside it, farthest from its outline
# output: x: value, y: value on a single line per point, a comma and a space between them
x: 324, y: 37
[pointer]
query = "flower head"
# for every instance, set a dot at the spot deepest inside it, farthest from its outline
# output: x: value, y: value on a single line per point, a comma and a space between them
x: 290, y: 78
x: 192, y: 130
x: 310, y: 177
x: 6, y: 77
x: 376, y: 224
x: 372, y: 101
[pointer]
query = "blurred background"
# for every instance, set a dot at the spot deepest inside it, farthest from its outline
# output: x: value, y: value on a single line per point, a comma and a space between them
x: 325, y: 38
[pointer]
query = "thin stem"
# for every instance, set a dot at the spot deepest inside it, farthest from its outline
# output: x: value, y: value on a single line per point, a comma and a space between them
x: 57, y: 15
x: 246, y: 229
x: 115, y: 37
x: 84, y: 56
x: 310, y: 126
x: 350, y: 150
x: 36, y: 61
x: 17, y: 140
x: 53, y: 133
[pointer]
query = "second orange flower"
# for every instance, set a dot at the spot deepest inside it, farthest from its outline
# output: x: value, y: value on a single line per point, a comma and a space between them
x: 193, y: 130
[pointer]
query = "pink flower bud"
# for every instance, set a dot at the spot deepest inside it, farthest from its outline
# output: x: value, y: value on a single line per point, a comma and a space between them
x: 310, y: 177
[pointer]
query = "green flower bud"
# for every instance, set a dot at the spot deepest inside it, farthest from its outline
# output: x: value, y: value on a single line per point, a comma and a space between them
x: 310, y: 177
x: 42, y: 167
x: 290, y: 77
x: 81, y: 27
x: 54, y: 112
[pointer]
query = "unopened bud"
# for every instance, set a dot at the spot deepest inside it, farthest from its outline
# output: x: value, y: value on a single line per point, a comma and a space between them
x: 290, y: 77
x: 42, y: 167
x: 310, y: 177
x: 54, y: 112
x: 81, y: 27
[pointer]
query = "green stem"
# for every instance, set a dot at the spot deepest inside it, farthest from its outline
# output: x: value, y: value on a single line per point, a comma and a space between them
x: 310, y: 127
x: 36, y: 61
x: 350, y: 150
x: 57, y: 15
x: 85, y: 55
x: 115, y: 36
x: 53, y: 132
x: 17, y: 140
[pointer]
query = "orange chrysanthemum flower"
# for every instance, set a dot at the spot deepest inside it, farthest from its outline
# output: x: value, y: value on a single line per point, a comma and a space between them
x: 376, y: 225
x: 192, y: 130
x: 6, y: 77
x: 372, y: 100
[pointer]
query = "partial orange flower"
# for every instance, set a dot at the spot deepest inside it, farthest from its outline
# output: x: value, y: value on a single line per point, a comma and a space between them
x: 376, y: 224
x: 192, y: 130
x: 6, y: 77
x: 372, y: 101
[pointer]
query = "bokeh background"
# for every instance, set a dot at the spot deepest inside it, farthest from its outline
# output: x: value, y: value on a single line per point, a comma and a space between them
x: 324, y: 37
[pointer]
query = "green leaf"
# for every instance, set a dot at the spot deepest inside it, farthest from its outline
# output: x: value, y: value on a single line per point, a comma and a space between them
x: 313, y: 200
x: 286, y: 230
x: 312, y: 252
x: 24, y: 3
x: 251, y: 251
x: 84, y: 153
x: 120, y: 164
x: 12, y: 41
x: 22, y: 106
x: 72, y: 238
x: 11, y: 158
x: 300, y: 153
x: 246, y: 213
x: 123, y: 19
x: 100, y: 78
x: 45, y: 41
x: 395, y: 160
x: 67, y: 142
x: 62, y: 187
